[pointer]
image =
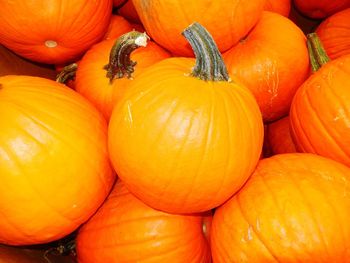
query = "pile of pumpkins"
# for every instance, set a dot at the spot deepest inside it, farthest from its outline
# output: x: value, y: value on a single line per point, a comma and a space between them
x: 176, y: 131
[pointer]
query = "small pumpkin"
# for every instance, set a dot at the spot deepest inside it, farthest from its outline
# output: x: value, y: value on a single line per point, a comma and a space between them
x: 281, y: 7
x: 334, y: 33
x: 294, y: 208
x: 53, y: 32
x: 320, y: 111
x: 264, y: 61
x: 124, y: 229
x: 184, y: 142
x: 228, y: 21
x: 54, y: 166
x: 320, y: 9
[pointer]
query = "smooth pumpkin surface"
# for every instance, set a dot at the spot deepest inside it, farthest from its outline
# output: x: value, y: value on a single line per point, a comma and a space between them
x: 54, y: 166
x: 279, y: 6
x: 236, y: 19
x: 53, y: 32
x: 126, y: 230
x: 294, y: 208
x: 320, y: 112
x: 265, y: 62
x: 334, y: 32
x: 320, y: 9
x: 117, y: 27
x: 129, y: 12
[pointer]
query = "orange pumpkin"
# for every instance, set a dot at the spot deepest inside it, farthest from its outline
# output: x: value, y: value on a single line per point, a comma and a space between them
x: 124, y: 229
x: 278, y: 137
x: 228, y: 21
x: 185, y: 142
x: 117, y: 27
x: 93, y: 80
x: 54, y: 166
x: 279, y: 6
x: 118, y: 3
x: 129, y: 12
x: 320, y: 9
x: 53, y: 32
x: 320, y: 112
x: 265, y: 62
x: 294, y: 208
x: 334, y: 32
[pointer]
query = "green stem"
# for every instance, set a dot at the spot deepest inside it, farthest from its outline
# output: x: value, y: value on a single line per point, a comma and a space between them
x: 67, y: 73
x: 317, y: 53
x: 120, y: 64
x: 209, y: 62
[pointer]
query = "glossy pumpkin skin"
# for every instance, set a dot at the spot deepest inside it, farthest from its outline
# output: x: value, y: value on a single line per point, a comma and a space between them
x: 278, y: 137
x: 91, y: 80
x: 126, y: 230
x: 53, y: 32
x: 182, y: 144
x: 294, y: 208
x: 320, y: 9
x: 236, y: 20
x: 117, y: 27
x: 334, y: 32
x: 280, y: 6
x: 265, y: 63
x: 320, y: 112
x: 54, y: 166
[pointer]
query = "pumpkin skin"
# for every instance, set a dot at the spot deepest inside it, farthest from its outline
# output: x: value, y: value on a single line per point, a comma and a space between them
x: 281, y: 7
x: 320, y: 112
x: 181, y: 144
x: 294, y: 208
x: 265, y: 63
x: 91, y: 80
x: 236, y: 20
x: 129, y: 12
x: 334, y: 33
x: 53, y: 32
x: 55, y: 171
x: 278, y: 137
x: 117, y: 27
x: 124, y: 229
x: 320, y: 9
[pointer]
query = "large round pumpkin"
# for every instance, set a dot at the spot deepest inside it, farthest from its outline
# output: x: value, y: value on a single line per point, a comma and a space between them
x: 54, y: 167
x: 53, y: 32
x: 228, y: 21
x: 185, y: 142
x: 124, y: 229
x: 294, y: 208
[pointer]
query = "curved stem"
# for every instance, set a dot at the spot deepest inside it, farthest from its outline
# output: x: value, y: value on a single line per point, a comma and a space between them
x: 209, y: 62
x: 317, y: 53
x: 67, y: 73
x: 120, y: 64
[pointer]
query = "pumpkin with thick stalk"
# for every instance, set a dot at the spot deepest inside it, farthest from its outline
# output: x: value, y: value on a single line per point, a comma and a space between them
x: 105, y: 71
x: 320, y: 111
x: 278, y: 6
x: 53, y: 32
x: 54, y: 166
x: 124, y: 229
x: 334, y: 33
x: 228, y: 21
x: 184, y: 142
x: 294, y: 208
x: 265, y: 62
x: 320, y: 9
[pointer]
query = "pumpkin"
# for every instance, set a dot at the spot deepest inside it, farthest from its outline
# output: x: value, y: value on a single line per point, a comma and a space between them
x: 54, y: 166
x: 124, y: 229
x: 118, y: 3
x: 105, y: 85
x: 334, y: 33
x: 294, y: 208
x: 278, y: 137
x: 117, y: 27
x: 53, y: 32
x: 320, y: 111
x: 129, y: 12
x: 265, y: 62
x: 184, y: 142
x: 236, y: 19
x: 12, y: 64
x: 306, y: 24
x: 320, y: 9
x: 280, y: 6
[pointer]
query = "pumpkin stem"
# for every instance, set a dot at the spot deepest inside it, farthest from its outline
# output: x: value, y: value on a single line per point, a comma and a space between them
x: 120, y: 64
x: 317, y: 53
x: 209, y: 62
x: 67, y: 73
